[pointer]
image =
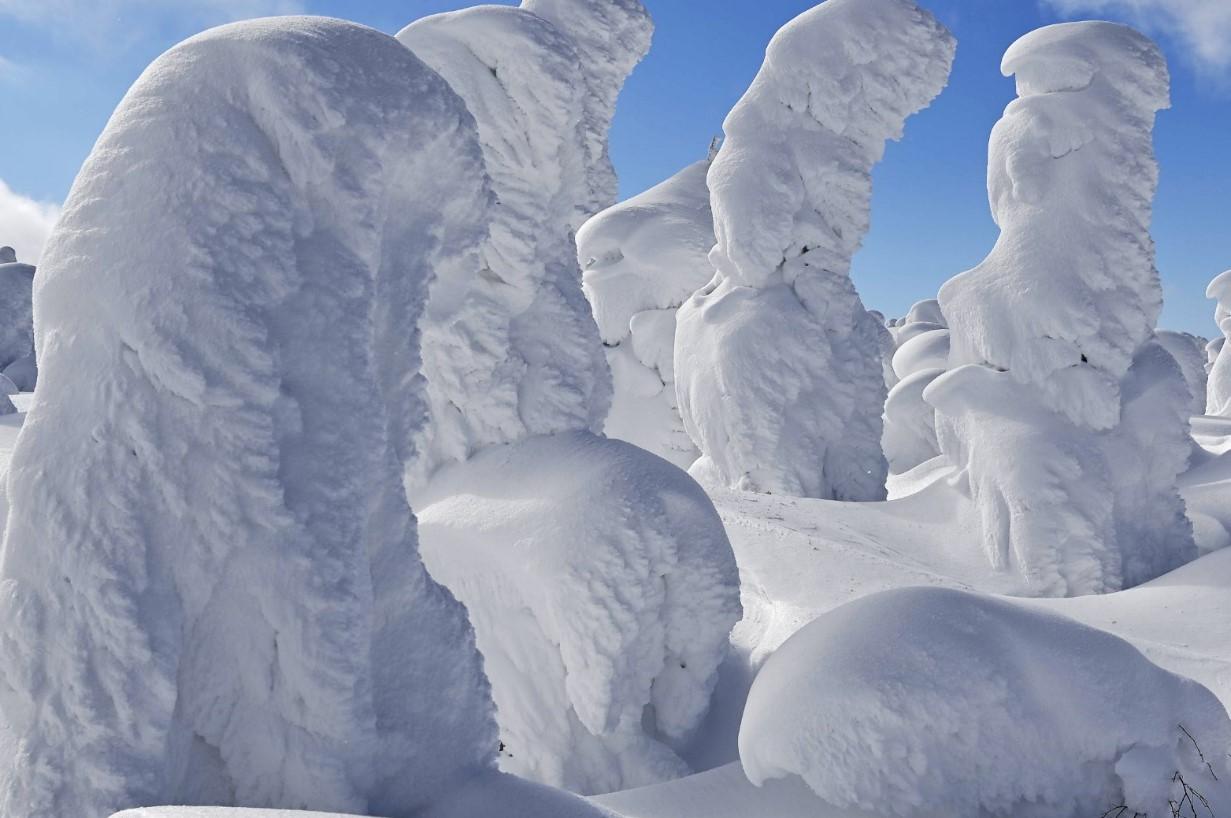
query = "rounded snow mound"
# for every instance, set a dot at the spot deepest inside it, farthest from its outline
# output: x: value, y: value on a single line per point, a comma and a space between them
x: 927, y: 701
x: 602, y: 588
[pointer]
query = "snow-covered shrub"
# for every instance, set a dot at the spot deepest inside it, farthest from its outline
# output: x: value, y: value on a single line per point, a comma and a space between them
x: 778, y: 364
x: 1189, y: 352
x: 1218, y: 389
x: 211, y: 590
x: 511, y: 349
x: 602, y: 588
x: 641, y: 259
x: 16, y: 320
x: 927, y: 701
x: 1057, y: 317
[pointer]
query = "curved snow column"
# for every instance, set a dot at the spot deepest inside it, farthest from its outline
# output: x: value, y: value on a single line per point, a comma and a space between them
x: 640, y: 260
x: 211, y: 587
x: 1189, y: 351
x: 778, y: 364
x: 1218, y: 389
x: 611, y: 37
x: 928, y: 701
x: 17, y: 321
x: 1057, y: 314
x: 511, y: 349
x: 602, y: 588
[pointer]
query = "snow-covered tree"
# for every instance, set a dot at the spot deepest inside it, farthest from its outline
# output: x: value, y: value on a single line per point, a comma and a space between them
x: 778, y: 365
x: 1218, y: 388
x: 211, y: 590
x: 1069, y: 420
x: 16, y: 321
x: 921, y: 353
x: 511, y: 350
x: 1189, y: 352
x: 641, y: 259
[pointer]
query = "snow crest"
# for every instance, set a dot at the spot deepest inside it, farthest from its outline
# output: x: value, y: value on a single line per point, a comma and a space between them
x: 778, y: 364
x: 602, y: 587
x: 927, y: 701
x: 211, y: 586
x: 641, y: 259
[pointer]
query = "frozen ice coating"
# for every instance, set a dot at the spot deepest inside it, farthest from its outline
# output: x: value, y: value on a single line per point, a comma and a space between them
x: 611, y: 37
x: 640, y: 260
x: 16, y: 319
x: 1070, y: 422
x: 602, y: 588
x: 778, y: 365
x: 510, y: 349
x: 211, y: 587
x: 927, y: 701
x: 1070, y: 291
x: 1189, y: 352
x: 1218, y: 390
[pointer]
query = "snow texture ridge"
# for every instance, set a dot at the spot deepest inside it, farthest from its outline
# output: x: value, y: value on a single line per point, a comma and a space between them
x: 1069, y: 420
x: 928, y: 701
x: 210, y: 580
x: 799, y: 412
x: 641, y: 259
x: 602, y: 588
x: 510, y: 349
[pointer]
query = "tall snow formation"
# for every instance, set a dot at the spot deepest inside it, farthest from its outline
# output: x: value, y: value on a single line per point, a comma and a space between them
x: 778, y: 364
x: 603, y: 590
x: 641, y: 259
x: 1218, y: 390
x: 211, y: 589
x: 928, y: 701
x: 16, y: 320
x: 511, y: 349
x: 1189, y: 352
x: 1069, y: 420
x: 920, y: 356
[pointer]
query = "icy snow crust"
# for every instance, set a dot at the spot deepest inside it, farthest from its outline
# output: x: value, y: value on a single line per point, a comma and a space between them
x: 510, y: 347
x: 927, y: 701
x: 602, y: 588
x: 211, y: 585
x: 1069, y: 421
x: 799, y: 412
x: 641, y: 259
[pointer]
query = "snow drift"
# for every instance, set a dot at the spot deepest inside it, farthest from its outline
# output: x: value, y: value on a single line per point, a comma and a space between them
x: 602, y: 588
x: 1069, y: 420
x: 926, y: 701
x: 16, y: 320
x: 641, y: 259
x: 211, y: 586
x: 778, y: 365
x: 510, y: 347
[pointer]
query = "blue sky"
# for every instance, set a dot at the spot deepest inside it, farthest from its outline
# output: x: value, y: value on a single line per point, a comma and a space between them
x: 64, y: 64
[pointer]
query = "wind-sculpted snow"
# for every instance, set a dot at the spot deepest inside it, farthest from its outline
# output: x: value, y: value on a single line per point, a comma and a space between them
x: 927, y: 701
x: 602, y: 588
x: 1069, y: 420
x: 1218, y: 389
x: 16, y: 320
x: 920, y: 356
x: 778, y: 364
x: 211, y: 586
x: 510, y: 349
x: 641, y: 259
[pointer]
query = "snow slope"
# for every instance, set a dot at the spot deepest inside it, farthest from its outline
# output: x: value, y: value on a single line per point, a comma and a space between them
x: 799, y: 412
x: 640, y: 260
x: 602, y: 588
x: 210, y: 580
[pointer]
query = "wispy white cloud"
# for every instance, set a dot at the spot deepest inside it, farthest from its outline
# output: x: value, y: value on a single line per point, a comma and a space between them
x: 1203, y: 26
x: 109, y: 24
x: 25, y: 223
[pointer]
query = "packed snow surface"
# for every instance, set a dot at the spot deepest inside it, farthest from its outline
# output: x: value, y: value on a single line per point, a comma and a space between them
x: 210, y: 582
x: 778, y: 365
x: 928, y: 701
x: 641, y: 259
x: 602, y: 588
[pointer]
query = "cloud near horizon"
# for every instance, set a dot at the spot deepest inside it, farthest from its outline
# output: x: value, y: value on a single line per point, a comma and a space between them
x: 1204, y: 26
x: 25, y: 223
